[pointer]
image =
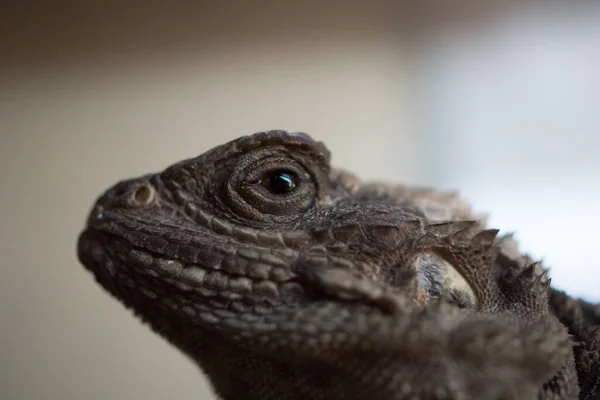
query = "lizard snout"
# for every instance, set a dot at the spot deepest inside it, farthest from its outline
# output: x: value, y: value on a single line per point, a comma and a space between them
x: 125, y: 195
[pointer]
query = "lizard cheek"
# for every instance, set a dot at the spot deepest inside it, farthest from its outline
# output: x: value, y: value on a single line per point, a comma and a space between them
x: 437, y: 278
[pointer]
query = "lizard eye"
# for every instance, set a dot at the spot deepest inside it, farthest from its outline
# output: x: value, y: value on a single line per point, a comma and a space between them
x: 281, y: 181
x: 272, y: 187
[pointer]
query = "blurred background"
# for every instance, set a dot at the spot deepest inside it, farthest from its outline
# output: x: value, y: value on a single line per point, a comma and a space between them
x: 500, y: 103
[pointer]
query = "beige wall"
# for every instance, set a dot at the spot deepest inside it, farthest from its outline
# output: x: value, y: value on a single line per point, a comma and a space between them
x: 88, y: 97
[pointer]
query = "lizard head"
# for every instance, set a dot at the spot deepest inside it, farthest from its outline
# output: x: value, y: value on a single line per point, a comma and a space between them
x: 261, y: 220
x: 261, y: 240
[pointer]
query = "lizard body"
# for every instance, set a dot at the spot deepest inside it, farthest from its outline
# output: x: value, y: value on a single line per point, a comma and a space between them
x: 285, y: 278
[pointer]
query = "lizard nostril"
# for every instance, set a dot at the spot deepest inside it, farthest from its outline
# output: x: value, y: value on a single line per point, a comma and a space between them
x: 143, y: 195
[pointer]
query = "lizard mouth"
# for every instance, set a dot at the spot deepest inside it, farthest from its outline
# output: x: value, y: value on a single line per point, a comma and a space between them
x: 437, y: 278
x: 91, y: 252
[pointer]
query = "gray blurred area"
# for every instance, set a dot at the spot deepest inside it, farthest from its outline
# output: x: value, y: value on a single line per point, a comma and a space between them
x: 500, y: 103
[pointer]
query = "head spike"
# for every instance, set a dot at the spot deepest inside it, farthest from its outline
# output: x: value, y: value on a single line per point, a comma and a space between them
x: 427, y: 240
x: 461, y: 235
x: 529, y: 271
x: 546, y: 284
x: 485, y: 239
x: 448, y: 227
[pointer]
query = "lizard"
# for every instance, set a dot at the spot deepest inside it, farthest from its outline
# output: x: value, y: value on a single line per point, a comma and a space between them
x: 284, y: 277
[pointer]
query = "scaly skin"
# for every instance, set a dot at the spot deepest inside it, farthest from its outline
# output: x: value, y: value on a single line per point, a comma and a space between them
x: 284, y: 278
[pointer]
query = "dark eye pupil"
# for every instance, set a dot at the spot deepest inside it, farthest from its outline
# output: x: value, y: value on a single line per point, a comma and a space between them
x: 281, y: 182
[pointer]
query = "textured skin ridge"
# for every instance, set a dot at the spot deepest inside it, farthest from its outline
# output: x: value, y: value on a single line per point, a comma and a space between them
x: 285, y: 278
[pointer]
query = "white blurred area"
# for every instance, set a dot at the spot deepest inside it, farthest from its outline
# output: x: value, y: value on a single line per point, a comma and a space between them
x: 500, y: 104
x: 512, y: 119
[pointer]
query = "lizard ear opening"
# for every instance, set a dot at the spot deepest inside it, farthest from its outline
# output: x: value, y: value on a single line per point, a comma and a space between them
x: 436, y: 277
